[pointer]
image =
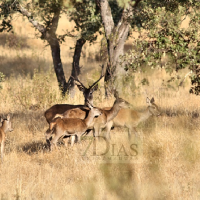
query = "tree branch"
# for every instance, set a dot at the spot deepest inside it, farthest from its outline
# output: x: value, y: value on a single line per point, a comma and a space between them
x: 106, y: 17
x: 54, y: 25
x: 27, y: 14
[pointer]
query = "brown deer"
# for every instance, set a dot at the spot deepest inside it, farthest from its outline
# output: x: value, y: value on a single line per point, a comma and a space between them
x: 71, y: 126
x: 130, y: 118
x: 61, y: 108
x: 100, y: 122
x: 6, y: 126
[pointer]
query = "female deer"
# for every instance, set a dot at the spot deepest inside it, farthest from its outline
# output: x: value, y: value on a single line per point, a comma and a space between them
x: 6, y: 126
x: 130, y: 118
x: 71, y: 126
x: 100, y: 122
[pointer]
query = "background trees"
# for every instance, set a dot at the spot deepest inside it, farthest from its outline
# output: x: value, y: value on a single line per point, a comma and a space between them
x: 49, y: 13
x: 159, y: 24
x: 163, y: 42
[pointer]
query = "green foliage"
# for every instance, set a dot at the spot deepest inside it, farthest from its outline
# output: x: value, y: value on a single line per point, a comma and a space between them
x: 87, y: 19
x: 5, y: 15
x: 165, y: 42
x: 116, y: 9
x: 41, y: 10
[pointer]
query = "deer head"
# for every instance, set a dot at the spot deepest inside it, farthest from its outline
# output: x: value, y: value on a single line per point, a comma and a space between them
x: 6, y: 124
x: 153, y: 108
x: 96, y: 111
x: 88, y: 92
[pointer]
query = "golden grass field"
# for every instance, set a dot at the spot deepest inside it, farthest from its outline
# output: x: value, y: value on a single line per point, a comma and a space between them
x: 167, y: 167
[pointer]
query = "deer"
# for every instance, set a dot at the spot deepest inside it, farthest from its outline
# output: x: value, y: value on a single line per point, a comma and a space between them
x: 100, y: 122
x: 6, y: 127
x: 87, y: 93
x: 71, y: 126
x: 131, y: 118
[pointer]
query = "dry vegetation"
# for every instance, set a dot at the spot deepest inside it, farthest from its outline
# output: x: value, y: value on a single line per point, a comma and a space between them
x: 166, y: 167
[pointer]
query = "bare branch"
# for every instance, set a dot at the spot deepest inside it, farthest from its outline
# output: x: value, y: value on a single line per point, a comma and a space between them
x: 182, y: 81
x: 27, y: 14
x: 76, y: 79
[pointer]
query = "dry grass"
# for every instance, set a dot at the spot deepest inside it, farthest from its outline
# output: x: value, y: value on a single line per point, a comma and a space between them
x: 167, y: 167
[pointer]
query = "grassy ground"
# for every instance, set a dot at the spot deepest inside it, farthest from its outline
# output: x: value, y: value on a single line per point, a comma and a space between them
x: 166, y: 167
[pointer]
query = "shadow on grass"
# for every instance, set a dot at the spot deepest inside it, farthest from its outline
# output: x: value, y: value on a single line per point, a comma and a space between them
x: 13, y: 41
x: 22, y: 65
x: 178, y: 112
x: 35, y: 147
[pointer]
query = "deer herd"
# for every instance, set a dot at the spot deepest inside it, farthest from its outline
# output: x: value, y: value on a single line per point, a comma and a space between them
x: 71, y: 121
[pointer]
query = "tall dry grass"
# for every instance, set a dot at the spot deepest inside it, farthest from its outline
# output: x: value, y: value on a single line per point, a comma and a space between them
x: 167, y: 167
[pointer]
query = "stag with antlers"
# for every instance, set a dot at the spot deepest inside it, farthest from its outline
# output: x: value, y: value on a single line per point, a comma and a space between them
x: 87, y: 93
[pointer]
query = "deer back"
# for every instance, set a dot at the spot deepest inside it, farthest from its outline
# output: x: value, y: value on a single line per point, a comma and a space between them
x: 81, y: 113
x: 58, y: 109
x: 131, y: 117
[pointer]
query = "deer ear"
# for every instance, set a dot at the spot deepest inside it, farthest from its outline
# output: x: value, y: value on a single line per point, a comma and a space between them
x: 152, y: 100
x: 8, y: 117
x: 148, y: 100
x: 95, y: 87
x: 1, y: 120
x: 81, y: 88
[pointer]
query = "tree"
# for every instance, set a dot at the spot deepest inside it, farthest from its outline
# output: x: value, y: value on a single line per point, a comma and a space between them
x: 140, y: 14
x: 87, y: 20
x: 166, y: 43
x: 49, y: 13
x: 118, y: 18
x: 116, y: 35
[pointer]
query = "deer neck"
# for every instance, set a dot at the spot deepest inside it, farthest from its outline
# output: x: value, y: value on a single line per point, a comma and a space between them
x: 86, y: 102
x: 112, y: 113
x: 145, y: 115
x: 89, y: 119
x: 4, y: 127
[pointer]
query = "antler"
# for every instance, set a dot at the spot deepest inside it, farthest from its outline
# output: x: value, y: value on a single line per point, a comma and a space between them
x: 102, y: 74
x: 76, y: 79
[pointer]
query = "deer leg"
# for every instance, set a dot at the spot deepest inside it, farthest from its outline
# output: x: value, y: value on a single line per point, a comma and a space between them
x: 2, y: 150
x: 54, y: 142
x: 66, y: 140
x: 131, y: 131
x: 108, y: 128
x: 96, y: 131
x: 79, y: 137
x: 135, y: 132
x: 72, y: 140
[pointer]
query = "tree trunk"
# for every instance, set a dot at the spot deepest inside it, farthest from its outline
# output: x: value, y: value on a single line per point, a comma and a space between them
x: 51, y: 38
x: 116, y: 37
x: 75, y: 66
x: 55, y: 51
